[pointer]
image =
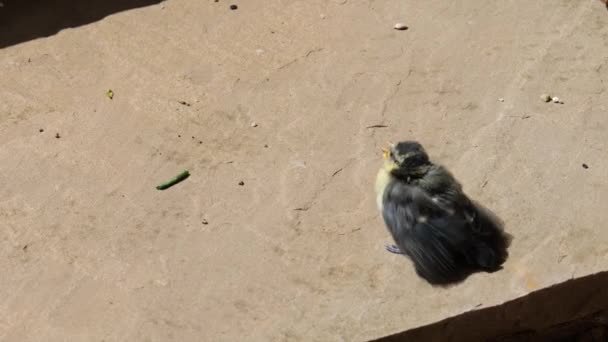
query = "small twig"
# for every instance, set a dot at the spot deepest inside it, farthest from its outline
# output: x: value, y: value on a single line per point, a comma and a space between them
x: 523, y: 117
x: 351, y: 231
x: 377, y: 126
x: 337, y: 171
x: 302, y: 209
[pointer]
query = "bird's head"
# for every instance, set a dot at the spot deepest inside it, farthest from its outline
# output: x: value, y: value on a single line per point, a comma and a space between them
x: 406, y: 158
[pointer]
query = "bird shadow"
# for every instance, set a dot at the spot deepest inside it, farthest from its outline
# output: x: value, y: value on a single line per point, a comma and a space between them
x: 25, y: 20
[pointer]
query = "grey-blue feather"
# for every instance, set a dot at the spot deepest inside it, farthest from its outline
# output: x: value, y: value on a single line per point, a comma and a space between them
x: 445, y: 234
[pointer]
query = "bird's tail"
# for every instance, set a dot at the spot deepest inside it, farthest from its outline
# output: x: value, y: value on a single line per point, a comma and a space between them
x: 491, y: 241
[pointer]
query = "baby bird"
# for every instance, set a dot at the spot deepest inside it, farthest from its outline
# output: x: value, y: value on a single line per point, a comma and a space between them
x: 444, y: 233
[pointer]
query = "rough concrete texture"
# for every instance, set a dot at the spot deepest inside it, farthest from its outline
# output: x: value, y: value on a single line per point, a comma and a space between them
x: 90, y: 250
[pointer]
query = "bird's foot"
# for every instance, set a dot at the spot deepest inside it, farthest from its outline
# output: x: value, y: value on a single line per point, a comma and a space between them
x: 393, y: 249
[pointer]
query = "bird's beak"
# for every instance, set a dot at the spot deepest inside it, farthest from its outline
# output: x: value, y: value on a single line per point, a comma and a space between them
x: 386, y: 151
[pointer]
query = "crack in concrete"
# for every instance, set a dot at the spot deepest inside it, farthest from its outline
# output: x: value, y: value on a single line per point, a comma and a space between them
x: 599, y: 74
x: 322, y: 188
x: 386, y: 102
x: 295, y: 60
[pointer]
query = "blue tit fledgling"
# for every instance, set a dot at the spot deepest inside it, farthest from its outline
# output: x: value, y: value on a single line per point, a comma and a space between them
x: 432, y: 221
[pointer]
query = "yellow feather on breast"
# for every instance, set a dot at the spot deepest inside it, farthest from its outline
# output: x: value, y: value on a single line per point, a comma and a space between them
x: 382, y: 180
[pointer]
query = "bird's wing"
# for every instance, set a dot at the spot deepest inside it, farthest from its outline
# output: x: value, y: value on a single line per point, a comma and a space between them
x: 407, y: 204
x: 432, y: 237
x: 447, y: 193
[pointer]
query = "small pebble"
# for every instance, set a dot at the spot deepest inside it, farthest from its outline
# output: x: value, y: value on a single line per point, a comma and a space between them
x: 241, y: 183
x: 556, y: 100
x: 400, y: 27
x: 161, y: 282
x: 57, y: 136
x: 204, y: 222
x: 585, y: 166
x: 253, y: 124
x: 41, y: 130
x: 545, y: 97
x: 233, y: 7
x: 501, y: 99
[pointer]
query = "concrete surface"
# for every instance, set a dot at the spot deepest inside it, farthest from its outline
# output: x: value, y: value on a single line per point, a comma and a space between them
x: 91, y: 251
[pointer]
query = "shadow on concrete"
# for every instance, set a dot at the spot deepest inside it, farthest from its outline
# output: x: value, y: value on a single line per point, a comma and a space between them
x: 24, y: 20
x: 576, y: 310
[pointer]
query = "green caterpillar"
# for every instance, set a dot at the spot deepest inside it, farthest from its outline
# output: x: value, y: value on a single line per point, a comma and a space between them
x: 185, y: 174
